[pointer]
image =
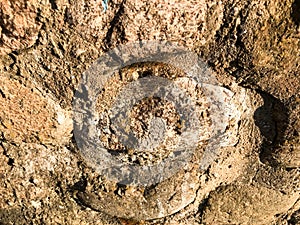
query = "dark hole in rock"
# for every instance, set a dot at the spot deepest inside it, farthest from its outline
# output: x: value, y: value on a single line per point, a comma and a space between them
x: 272, y: 120
x: 11, y: 162
x: 296, y: 12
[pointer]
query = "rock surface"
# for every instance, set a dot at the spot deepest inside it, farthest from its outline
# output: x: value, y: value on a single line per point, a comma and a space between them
x: 252, y: 47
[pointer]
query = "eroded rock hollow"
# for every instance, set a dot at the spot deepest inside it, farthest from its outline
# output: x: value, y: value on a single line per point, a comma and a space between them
x: 65, y: 79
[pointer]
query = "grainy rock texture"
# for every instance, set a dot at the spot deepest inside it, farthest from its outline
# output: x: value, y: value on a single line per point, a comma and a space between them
x: 252, y: 47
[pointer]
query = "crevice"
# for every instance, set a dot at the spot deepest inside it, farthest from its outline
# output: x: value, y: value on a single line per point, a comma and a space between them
x: 2, y: 94
x: 202, y: 207
x: 80, y: 185
x: 294, y: 215
x: 77, y: 190
x: 13, y: 56
x: 172, y: 196
x: 53, y: 4
x: 11, y: 161
x: 115, y: 25
x: 296, y: 12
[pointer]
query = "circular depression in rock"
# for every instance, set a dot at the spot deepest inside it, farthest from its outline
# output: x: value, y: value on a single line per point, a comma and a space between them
x: 150, y: 118
x: 154, y: 121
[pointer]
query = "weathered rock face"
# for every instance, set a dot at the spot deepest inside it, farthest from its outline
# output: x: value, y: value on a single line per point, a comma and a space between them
x: 19, y: 25
x: 252, y: 47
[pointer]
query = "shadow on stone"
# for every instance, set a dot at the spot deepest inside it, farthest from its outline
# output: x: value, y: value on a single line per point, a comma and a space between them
x: 296, y: 12
x: 272, y: 119
x: 295, y: 219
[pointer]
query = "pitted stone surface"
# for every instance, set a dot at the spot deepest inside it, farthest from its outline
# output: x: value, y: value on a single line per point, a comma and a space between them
x: 251, y: 46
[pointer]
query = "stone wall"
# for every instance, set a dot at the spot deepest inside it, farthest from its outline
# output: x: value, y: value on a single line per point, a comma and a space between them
x: 251, y: 47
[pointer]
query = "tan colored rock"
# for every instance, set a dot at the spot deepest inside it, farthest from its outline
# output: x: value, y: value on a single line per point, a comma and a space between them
x: 19, y: 25
x: 45, y: 46
x: 28, y: 116
x: 246, y: 204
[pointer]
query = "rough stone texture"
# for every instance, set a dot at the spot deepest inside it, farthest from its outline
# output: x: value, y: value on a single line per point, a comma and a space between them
x: 250, y: 46
x: 19, y: 25
x: 30, y: 117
